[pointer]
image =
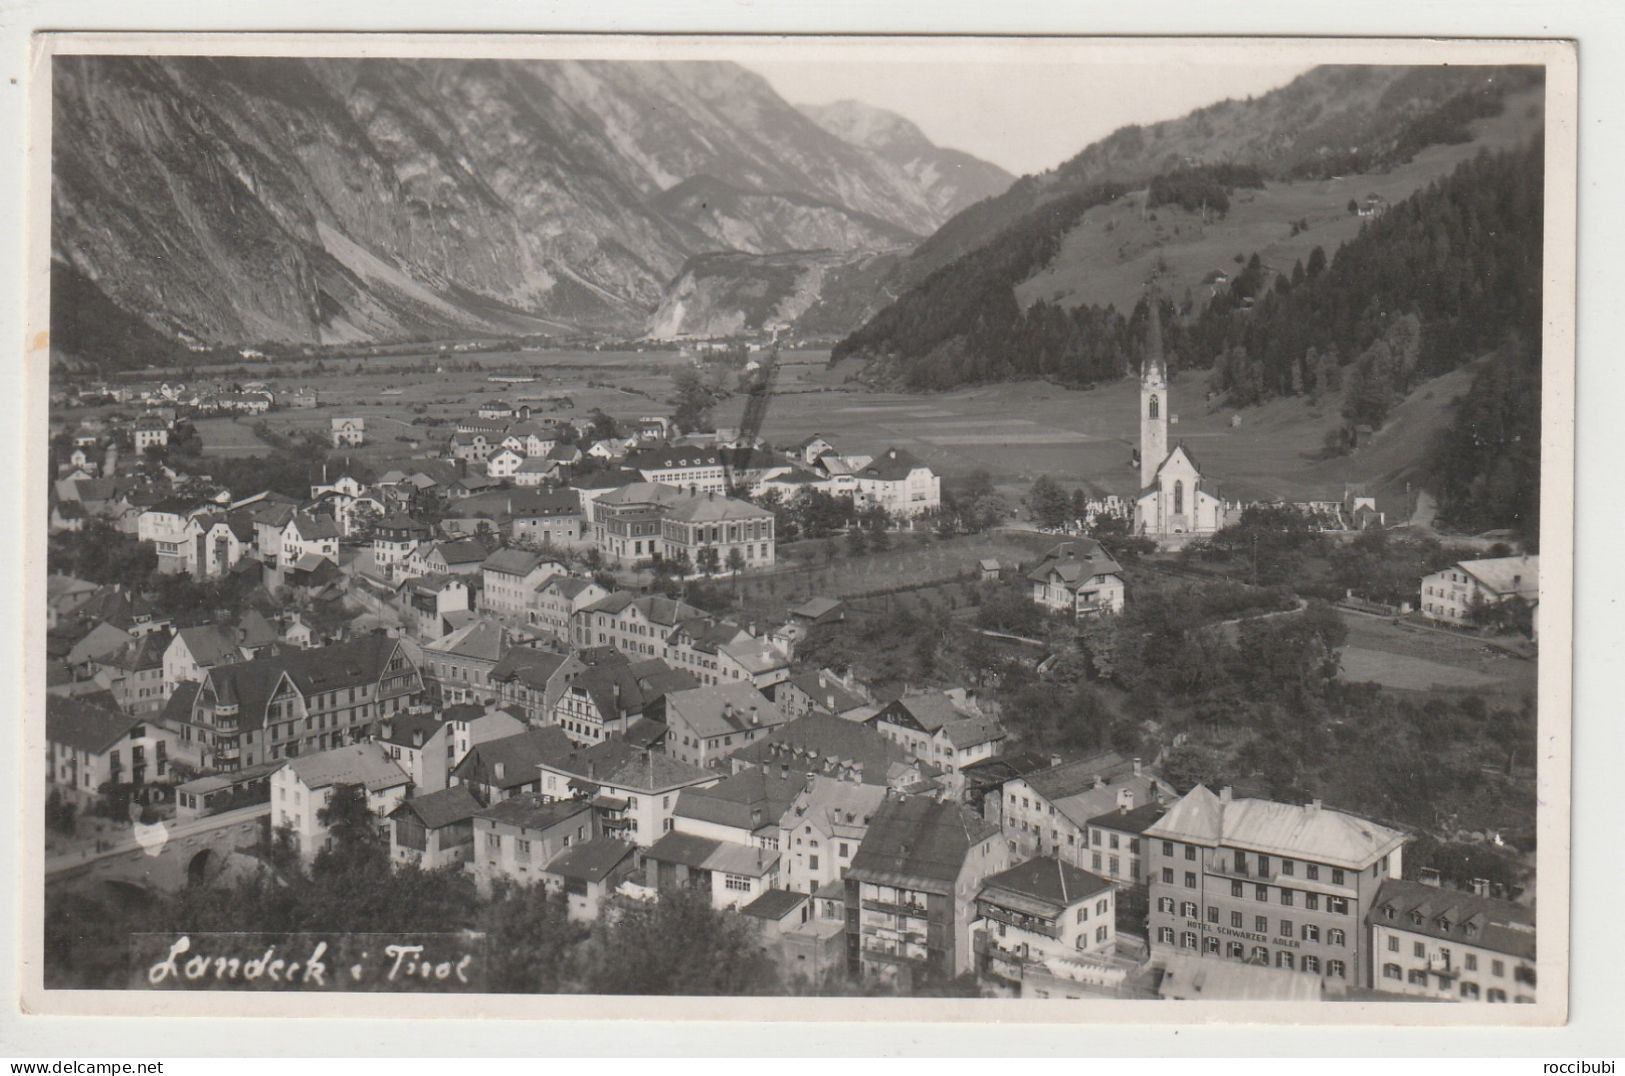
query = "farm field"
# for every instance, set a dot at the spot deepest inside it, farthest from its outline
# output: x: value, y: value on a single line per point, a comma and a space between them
x: 1407, y: 657
x: 230, y: 437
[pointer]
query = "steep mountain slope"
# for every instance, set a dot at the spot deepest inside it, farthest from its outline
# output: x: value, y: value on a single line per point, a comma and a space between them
x: 1050, y: 293
x: 235, y: 200
x: 765, y: 222
x: 1330, y: 121
x: 950, y: 179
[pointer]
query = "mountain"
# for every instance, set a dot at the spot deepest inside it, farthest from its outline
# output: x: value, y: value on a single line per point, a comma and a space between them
x: 1216, y: 206
x: 950, y: 179
x: 223, y: 200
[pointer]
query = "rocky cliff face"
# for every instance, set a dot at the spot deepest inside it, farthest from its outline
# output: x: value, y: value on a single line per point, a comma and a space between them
x: 235, y: 200
x: 949, y: 179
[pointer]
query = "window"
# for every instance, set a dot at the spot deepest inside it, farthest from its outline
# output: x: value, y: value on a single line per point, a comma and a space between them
x: 1390, y: 971
x: 1235, y: 950
x: 1339, y: 905
x: 1498, y: 969
x: 1113, y: 841
x: 1286, y: 867
x: 1188, y: 909
x: 1166, y: 905
x: 1264, y: 866
x: 1113, y: 863
x: 1241, y: 862
x: 1336, y: 937
x: 1417, y: 977
x: 1210, y: 945
x: 1313, y: 871
x: 1393, y: 944
x: 1212, y: 913
x: 1236, y: 920
x: 1286, y: 897
x: 1095, y: 860
x: 1286, y: 928
x: 1165, y: 935
x: 1312, y: 901
x: 737, y: 882
x: 1101, y: 933
x: 1259, y: 955
x: 1190, y: 880
x: 1190, y: 851
x: 1337, y: 876
x: 1311, y: 932
x: 1311, y: 963
x: 1419, y: 949
x: 1187, y: 940
x: 1469, y: 991
x: 1168, y: 848
x: 1283, y: 959
x: 1261, y: 924
x: 1235, y: 889
x: 1336, y: 969
x: 1497, y: 995
x: 1472, y: 961
x: 1261, y: 892
x: 1167, y: 876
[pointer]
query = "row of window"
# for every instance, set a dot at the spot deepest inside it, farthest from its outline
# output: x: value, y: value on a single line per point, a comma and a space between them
x: 1261, y: 893
x: 1287, y: 928
x: 1257, y: 954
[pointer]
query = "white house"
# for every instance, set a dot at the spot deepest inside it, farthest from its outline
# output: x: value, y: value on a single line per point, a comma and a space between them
x: 900, y: 483
x: 1452, y: 594
x: 503, y: 463
x: 1078, y: 578
x: 349, y: 432
x: 301, y: 789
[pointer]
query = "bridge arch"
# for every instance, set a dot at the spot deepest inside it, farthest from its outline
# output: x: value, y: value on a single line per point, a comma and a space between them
x: 197, y: 868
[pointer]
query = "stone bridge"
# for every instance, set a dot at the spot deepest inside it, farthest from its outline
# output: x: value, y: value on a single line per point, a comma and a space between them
x: 162, y: 858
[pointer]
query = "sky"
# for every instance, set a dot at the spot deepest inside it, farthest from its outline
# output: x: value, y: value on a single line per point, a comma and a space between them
x: 1030, y: 116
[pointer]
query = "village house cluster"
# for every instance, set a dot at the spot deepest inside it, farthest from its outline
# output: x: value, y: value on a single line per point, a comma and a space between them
x: 458, y: 638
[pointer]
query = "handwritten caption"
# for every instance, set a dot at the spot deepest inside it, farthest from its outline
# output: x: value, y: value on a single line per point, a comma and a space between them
x: 424, y: 962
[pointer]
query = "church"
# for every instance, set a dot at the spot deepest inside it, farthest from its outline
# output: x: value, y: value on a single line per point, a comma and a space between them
x: 1173, y: 505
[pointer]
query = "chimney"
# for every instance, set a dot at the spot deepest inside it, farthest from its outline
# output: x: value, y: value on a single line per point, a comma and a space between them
x: 784, y: 771
x: 755, y: 817
x: 417, y: 737
x: 388, y: 729
x: 1136, y: 767
x: 1481, y: 887
x: 1225, y: 794
x: 1054, y: 760
x: 1314, y: 805
x: 592, y: 771
x: 1429, y: 876
x: 755, y: 719
x: 810, y: 779
x: 501, y: 770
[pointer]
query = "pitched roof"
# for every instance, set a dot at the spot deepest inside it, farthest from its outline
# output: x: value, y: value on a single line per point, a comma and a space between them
x: 822, y: 743
x: 1046, y: 881
x: 1305, y: 832
x: 918, y: 841
x: 826, y: 692
x: 620, y: 765
x: 101, y: 640
x: 250, y: 684
x: 1075, y: 562
x: 683, y: 848
x: 1507, y: 575
x: 310, y: 526
x: 407, y: 729
x: 842, y: 808
x: 590, y: 861
x: 511, y: 561
x: 363, y: 764
x: 1500, y: 925
x: 518, y: 755
x: 528, y: 665
x: 443, y: 808
x: 709, y: 508
x: 467, y: 551
x: 892, y: 465
x: 483, y: 640
x: 533, y: 811
x: 723, y: 709
x: 774, y: 904
x: 673, y: 457
x: 1137, y: 820
x: 749, y: 800
x: 84, y: 726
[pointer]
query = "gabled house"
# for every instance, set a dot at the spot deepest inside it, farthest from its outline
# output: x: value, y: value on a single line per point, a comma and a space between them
x: 603, y: 700
x: 87, y: 746
x: 556, y: 601
x: 633, y: 790
x: 530, y: 681
x: 303, y: 786
x: 434, y: 830
x: 825, y: 745
x: 1078, y: 578
x: 509, y: 766
x: 461, y: 662
x: 509, y: 580
x: 308, y: 538
x: 911, y: 889
x: 901, y: 483
x: 518, y: 837
x: 707, y: 724
x: 590, y: 872
x: 1046, y: 928
x: 1050, y: 811
x: 743, y: 808
x: 822, y: 829
x: 194, y: 651
x: 945, y: 727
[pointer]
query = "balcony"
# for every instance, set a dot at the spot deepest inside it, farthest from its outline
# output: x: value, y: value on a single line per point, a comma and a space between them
x: 908, y: 910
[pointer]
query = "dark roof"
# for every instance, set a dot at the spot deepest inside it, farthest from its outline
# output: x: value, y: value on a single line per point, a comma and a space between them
x: 621, y: 765
x: 749, y: 800
x: 529, y: 665
x: 666, y: 458
x: 1135, y: 821
x: 465, y: 552
x: 443, y: 808
x: 892, y: 465
x: 533, y: 811
x: 774, y: 904
x: 519, y: 755
x: 1045, y: 880
x: 918, y: 842
x: 826, y: 692
x: 833, y: 746
x: 645, y: 732
x: 1076, y: 561
x: 1079, y: 774
x: 84, y: 726
x: 1500, y: 925
x: 402, y: 727
x: 590, y: 861
x: 684, y: 848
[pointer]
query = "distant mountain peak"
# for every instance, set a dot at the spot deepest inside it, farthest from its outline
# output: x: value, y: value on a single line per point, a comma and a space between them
x: 867, y: 125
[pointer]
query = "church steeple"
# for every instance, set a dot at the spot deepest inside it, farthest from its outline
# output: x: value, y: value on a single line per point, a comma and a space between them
x: 1153, y: 396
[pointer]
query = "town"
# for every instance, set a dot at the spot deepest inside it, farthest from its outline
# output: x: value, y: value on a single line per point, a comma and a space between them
x: 570, y: 662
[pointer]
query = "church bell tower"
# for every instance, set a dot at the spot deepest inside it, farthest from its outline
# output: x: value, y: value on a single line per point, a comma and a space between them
x: 1153, y: 399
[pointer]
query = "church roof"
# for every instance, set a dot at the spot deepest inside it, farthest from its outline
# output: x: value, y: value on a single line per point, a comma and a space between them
x: 1154, y: 364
